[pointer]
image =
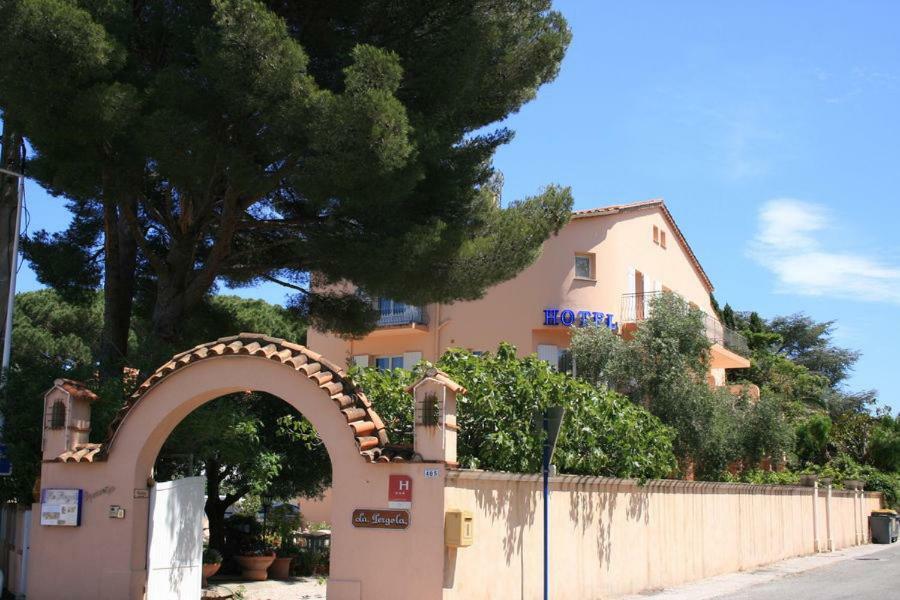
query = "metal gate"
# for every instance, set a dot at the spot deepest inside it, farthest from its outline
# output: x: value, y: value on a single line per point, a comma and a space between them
x: 175, y: 546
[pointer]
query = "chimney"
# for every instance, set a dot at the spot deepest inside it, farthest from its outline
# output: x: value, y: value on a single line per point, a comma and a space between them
x: 67, y: 417
x: 434, y: 417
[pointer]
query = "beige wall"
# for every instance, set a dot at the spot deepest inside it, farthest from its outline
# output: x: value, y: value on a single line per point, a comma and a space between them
x: 612, y: 537
x: 513, y: 311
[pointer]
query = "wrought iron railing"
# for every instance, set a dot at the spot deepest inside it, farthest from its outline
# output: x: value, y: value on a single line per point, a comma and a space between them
x: 637, y: 307
x: 395, y: 313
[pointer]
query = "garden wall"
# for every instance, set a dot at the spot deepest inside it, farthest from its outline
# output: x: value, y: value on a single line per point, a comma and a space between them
x: 611, y: 537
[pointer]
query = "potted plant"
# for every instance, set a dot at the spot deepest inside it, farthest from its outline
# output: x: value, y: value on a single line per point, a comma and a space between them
x: 212, y: 561
x: 321, y: 562
x: 254, y: 561
x: 284, y: 556
x: 285, y: 520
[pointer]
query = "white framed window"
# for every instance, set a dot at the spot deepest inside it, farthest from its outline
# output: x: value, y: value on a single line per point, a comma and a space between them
x: 560, y: 359
x: 388, y: 363
x: 361, y: 360
x: 584, y: 266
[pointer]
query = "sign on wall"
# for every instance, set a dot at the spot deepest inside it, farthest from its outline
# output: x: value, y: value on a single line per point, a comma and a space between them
x: 400, y: 491
x: 568, y: 317
x: 61, y: 507
x: 373, y: 518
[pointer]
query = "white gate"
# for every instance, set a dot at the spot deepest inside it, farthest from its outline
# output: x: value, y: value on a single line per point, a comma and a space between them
x: 175, y: 552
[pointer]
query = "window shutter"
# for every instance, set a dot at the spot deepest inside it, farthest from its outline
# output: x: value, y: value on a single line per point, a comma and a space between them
x: 361, y: 360
x: 549, y: 353
x: 411, y: 359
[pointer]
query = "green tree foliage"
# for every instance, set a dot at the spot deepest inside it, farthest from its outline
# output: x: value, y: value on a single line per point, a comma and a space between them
x: 664, y: 367
x: 55, y: 338
x: 808, y: 343
x: 812, y: 438
x: 245, y: 444
x: 603, y: 433
x: 884, y: 449
x: 240, y: 140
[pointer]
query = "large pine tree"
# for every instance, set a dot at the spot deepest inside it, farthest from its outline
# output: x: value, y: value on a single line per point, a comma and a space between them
x: 240, y: 140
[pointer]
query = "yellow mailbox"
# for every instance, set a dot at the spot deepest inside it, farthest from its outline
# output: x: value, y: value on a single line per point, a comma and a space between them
x: 459, y: 528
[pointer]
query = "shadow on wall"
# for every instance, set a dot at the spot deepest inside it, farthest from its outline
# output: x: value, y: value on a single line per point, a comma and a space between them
x: 517, y: 506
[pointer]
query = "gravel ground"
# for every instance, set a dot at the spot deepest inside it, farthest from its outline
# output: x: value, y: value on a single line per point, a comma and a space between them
x: 298, y: 588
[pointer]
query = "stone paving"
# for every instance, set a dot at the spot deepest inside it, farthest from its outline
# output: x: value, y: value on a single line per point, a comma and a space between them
x: 297, y: 588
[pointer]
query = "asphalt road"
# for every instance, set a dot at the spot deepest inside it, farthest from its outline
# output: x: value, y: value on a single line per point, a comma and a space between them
x: 872, y: 577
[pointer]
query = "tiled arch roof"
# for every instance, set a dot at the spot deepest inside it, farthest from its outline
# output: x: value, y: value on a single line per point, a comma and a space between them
x: 364, y: 423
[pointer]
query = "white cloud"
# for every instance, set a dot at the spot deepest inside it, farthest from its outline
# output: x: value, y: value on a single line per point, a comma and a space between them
x: 792, y: 243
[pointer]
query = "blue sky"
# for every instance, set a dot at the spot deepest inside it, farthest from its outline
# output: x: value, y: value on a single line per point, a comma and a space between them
x: 769, y: 128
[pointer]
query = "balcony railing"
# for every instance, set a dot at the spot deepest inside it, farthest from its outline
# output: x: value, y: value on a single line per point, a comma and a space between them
x: 395, y: 314
x: 637, y: 307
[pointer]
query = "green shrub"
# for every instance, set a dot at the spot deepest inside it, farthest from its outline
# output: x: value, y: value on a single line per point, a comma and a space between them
x: 603, y: 432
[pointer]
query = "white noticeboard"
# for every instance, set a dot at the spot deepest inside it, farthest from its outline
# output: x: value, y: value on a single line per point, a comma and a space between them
x: 61, y: 507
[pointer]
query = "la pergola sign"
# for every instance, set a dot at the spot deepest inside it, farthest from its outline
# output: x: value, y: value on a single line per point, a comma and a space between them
x: 568, y: 317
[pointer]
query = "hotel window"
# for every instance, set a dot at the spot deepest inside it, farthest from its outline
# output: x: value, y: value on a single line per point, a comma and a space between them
x: 388, y: 363
x: 662, y: 238
x: 659, y: 236
x: 560, y: 359
x: 655, y: 234
x: 584, y: 266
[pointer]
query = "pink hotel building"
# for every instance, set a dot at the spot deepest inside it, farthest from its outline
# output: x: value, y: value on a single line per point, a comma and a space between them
x: 604, y: 266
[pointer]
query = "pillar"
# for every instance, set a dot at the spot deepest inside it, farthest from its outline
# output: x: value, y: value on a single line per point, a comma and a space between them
x: 815, y: 513
x: 829, y: 540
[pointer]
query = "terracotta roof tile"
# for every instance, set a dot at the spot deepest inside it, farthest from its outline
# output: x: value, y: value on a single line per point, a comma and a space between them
x: 441, y: 377
x: 368, y: 430
x: 76, y: 389
x: 82, y: 453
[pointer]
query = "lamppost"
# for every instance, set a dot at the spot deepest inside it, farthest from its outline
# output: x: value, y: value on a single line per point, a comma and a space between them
x: 550, y: 421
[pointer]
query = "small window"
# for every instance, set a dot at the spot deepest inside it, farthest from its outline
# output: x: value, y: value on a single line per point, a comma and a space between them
x: 58, y: 415
x: 584, y: 266
x: 655, y: 234
x: 388, y: 363
x: 662, y: 238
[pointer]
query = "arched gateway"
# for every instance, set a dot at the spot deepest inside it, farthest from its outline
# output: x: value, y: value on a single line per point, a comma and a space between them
x: 105, y: 556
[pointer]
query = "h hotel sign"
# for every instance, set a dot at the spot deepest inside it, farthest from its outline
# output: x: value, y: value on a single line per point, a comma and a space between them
x: 581, y: 318
x: 400, y: 491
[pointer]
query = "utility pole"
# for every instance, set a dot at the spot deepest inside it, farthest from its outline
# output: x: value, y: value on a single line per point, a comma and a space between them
x: 12, y: 187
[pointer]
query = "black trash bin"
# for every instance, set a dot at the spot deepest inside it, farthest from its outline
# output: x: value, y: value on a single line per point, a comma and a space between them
x: 884, y: 527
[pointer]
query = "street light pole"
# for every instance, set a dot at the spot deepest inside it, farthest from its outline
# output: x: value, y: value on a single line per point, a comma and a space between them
x: 551, y: 422
x: 545, y: 469
x: 11, y: 298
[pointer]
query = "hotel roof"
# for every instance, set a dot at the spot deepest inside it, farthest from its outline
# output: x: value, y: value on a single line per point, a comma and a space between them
x: 644, y: 204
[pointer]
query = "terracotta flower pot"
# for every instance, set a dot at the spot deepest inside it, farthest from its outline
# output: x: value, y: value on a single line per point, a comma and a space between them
x: 281, y: 568
x: 254, y: 567
x: 209, y: 569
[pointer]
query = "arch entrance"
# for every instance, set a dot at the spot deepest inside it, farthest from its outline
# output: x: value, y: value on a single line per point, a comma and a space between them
x: 105, y: 556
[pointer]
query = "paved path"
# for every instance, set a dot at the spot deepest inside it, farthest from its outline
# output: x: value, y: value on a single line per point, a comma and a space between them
x: 872, y: 577
x: 870, y: 572
x: 298, y: 588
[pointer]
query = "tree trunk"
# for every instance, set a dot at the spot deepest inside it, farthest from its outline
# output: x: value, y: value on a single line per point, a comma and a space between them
x: 120, y: 263
x: 215, y: 514
x: 11, y: 158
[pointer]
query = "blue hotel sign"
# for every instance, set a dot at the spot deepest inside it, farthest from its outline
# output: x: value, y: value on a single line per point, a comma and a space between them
x: 580, y: 318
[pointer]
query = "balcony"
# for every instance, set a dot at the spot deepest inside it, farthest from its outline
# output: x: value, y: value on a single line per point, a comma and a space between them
x: 637, y: 307
x: 397, y: 314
